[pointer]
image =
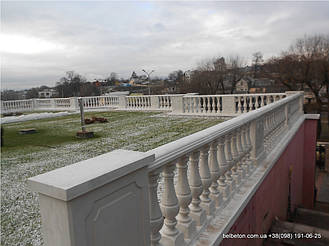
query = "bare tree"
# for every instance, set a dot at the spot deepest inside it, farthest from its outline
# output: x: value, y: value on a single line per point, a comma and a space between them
x: 257, y: 61
x: 209, y: 77
x: 235, y: 71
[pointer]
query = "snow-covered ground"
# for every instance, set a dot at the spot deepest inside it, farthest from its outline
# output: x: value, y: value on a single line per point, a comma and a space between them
x: 33, y: 116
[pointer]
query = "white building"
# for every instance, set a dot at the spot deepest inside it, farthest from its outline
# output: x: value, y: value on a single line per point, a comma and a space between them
x: 48, y: 93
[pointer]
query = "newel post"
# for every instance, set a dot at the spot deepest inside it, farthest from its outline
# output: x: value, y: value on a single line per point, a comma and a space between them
x: 229, y: 105
x: 256, y: 132
x: 103, y: 200
x: 34, y: 104
x: 177, y: 104
x: 122, y: 102
x: 74, y: 105
x: 155, y: 103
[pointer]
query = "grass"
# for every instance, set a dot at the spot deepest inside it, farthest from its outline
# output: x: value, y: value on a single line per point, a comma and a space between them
x: 54, y: 145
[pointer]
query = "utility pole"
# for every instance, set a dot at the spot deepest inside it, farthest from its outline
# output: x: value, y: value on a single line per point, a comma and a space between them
x: 148, y: 79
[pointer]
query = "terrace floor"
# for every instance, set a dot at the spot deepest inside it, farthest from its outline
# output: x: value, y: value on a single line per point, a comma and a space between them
x: 55, y: 145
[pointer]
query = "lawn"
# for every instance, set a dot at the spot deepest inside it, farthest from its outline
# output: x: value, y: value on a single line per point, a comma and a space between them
x: 55, y: 145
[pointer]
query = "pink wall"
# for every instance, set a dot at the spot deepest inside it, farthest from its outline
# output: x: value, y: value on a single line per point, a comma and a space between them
x: 271, y: 199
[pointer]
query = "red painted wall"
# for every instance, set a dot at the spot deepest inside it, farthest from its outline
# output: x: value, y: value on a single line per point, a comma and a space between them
x: 271, y: 199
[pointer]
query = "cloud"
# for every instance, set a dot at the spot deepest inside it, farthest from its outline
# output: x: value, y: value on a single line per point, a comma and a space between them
x: 97, y: 38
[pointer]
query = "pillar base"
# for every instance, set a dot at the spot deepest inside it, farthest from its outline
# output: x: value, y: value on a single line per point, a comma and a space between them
x: 199, y: 217
x: 188, y: 229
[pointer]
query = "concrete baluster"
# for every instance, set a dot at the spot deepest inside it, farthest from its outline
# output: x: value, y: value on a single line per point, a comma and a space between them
x: 214, y: 105
x: 196, y: 105
x: 229, y: 160
x: 214, y: 173
x: 235, y: 156
x: 251, y: 164
x: 223, y: 167
x: 246, y: 149
x: 156, y: 219
x: 208, y: 105
x: 197, y: 212
x: 185, y: 223
x: 206, y: 203
x: 218, y: 105
x: 241, y: 165
x: 169, y: 208
x: 242, y: 150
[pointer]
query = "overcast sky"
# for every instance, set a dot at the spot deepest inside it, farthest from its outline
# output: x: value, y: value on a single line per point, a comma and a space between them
x: 40, y: 41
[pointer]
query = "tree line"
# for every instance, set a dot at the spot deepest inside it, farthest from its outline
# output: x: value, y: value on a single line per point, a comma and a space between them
x: 305, y: 64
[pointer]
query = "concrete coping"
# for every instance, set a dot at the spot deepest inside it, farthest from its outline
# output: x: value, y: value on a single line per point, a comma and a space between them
x: 69, y: 182
x: 312, y: 116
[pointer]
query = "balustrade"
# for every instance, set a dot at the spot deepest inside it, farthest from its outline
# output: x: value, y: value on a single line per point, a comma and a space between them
x: 222, y: 105
x: 211, y: 165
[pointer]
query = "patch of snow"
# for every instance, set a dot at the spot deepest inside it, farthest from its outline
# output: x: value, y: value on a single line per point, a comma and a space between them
x: 34, y: 116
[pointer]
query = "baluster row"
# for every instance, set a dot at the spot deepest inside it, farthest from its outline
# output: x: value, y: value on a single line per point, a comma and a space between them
x: 206, y: 179
x: 164, y: 102
x: 203, y: 104
x: 139, y: 102
x: 246, y: 103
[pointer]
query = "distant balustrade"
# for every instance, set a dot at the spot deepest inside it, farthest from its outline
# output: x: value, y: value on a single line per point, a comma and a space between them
x: 189, y: 180
x: 100, y: 102
x: 186, y: 104
x: 234, y: 104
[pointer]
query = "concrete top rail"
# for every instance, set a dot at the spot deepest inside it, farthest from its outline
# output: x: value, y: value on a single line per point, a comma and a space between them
x: 69, y: 182
x: 237, y: 95
x: 171, y: 151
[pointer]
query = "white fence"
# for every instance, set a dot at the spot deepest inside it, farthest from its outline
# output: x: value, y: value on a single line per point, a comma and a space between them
x: 221, y: 105
x: 121, y: 200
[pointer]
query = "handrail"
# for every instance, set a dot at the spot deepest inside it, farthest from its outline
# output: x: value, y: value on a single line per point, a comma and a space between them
x: 235, y: 95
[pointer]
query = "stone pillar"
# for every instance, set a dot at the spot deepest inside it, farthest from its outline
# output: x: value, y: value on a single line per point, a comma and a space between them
x: 74, y: 105
x: 122, y: 102
x: 228, y: 105
x: 52, y: 103
x: 301, y: 99
x: 34, y: 105
x: 155, y: 102
x: 103, y: 199
x: 177, y: 104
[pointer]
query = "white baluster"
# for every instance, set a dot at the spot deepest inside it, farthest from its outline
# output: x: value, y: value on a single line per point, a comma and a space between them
x: 241, y: 154
x: 156, y: 219
x: 209, y: 105
x: 213, y: 105
x: 206, y: 203
x: 218, y: 105
x: 235, y: 157
x: 246, y: 149
x: 214, y: 173
x: 196, y: 105
x: 197, y: 212
x: 169, y: 208
x: 185, y: 223
x: 229, y: 160
x: 223, y: 167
